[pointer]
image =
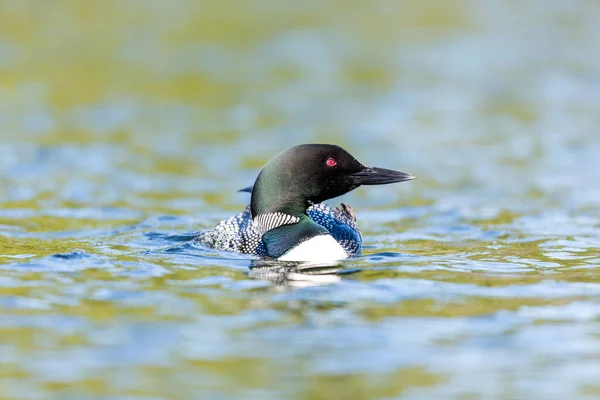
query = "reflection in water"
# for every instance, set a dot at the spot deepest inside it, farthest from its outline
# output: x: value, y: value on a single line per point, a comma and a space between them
x: 298, y: 274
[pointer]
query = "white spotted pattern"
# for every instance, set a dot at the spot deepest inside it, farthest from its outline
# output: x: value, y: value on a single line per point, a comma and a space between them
x: 242, y: 234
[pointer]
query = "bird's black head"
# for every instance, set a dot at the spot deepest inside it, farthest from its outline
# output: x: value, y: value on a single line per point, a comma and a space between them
x: 307, y: 173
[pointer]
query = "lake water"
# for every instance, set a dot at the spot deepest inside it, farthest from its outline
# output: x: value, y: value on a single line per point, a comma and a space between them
x: 126, y: 127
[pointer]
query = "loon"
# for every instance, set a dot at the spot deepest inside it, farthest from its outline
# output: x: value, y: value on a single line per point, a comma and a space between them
x: 287, y: 219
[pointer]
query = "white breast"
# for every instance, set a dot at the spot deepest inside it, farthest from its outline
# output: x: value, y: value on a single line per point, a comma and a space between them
x: 317, y: 249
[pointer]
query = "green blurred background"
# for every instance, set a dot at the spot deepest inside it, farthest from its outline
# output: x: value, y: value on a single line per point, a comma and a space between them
x: 125, y: 126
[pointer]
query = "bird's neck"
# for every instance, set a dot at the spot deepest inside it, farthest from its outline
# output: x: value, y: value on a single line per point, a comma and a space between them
x: 282, y: 239
x: 277, y: 195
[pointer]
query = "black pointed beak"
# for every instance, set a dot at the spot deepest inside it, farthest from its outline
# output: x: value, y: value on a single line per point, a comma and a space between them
x: 379, y: 176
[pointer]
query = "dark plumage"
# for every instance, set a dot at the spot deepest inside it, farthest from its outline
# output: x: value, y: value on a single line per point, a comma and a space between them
x: 286, y: 208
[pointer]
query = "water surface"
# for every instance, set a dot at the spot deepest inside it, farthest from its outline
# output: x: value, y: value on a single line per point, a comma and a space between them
x: 126, y: 127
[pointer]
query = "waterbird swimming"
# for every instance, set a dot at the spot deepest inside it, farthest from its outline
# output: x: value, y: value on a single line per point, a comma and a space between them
x: 287, y: 219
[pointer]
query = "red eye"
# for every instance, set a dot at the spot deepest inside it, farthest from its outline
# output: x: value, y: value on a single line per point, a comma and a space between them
x: 331, y: 162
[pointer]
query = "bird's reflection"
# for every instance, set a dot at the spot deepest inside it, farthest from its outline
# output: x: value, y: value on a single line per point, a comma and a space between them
x: 298, y: 274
